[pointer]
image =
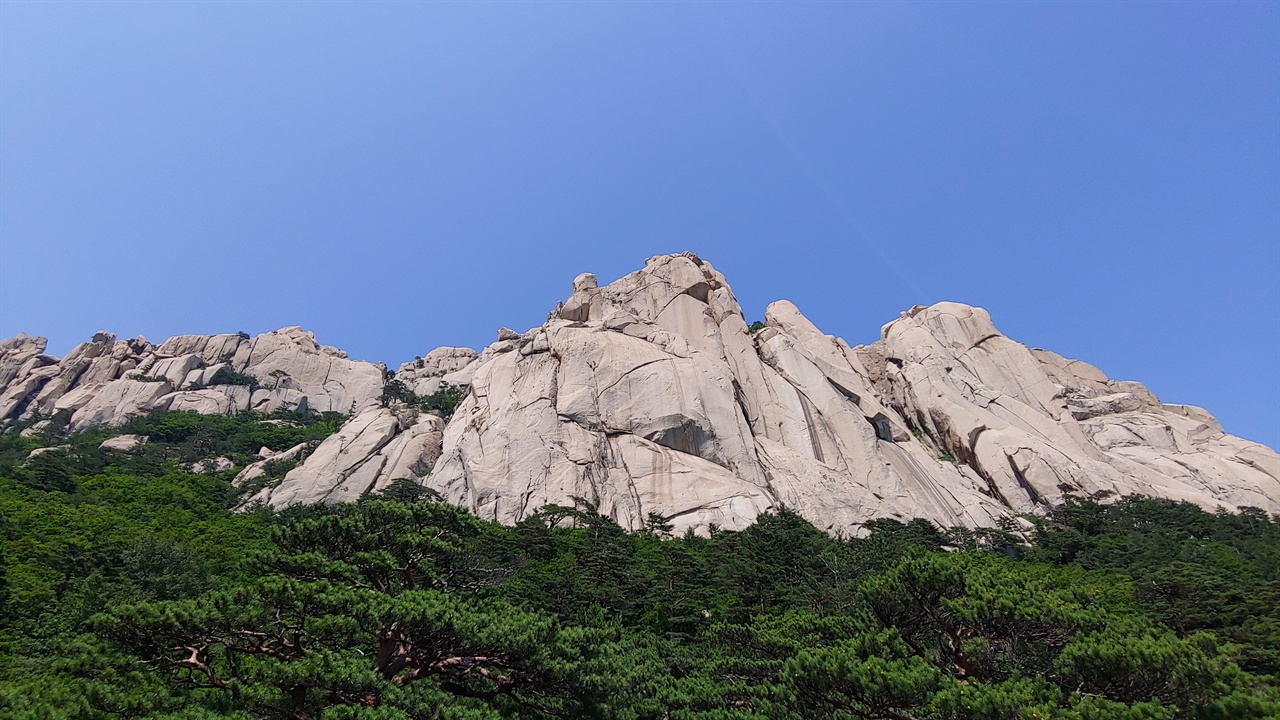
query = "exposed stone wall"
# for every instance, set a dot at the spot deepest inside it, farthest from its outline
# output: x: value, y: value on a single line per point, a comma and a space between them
x: 650, y: 395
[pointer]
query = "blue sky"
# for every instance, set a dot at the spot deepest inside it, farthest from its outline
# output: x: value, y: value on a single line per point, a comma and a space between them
x: 1103, y: 177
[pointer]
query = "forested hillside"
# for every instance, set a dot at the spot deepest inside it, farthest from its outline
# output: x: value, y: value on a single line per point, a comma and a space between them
x: 131, y: 589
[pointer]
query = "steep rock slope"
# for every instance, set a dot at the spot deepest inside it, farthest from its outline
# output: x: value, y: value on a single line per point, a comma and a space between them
x: 650, y: 396
x: 1033, y: 424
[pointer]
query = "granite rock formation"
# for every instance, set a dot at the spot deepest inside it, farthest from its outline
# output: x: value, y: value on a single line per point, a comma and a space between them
x: 106, y: 381
x: 650, y: 396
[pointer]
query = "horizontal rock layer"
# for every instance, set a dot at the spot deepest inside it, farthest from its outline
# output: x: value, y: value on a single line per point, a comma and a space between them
x: 650, y: 396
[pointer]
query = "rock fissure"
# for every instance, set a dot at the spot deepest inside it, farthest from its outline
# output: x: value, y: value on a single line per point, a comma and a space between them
x: 602, y: 390
x: 1022, y: 481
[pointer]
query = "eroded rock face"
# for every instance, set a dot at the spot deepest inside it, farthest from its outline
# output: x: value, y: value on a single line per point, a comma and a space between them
x: 106, y: 381
x: 371, y: 450
x: 1034, y: 425
x: 649, y: 395
x: 445, y: 365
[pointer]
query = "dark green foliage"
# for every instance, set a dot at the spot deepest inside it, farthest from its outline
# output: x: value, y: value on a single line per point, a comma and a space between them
x: 84, y: 529
x: 396, y: 391
x: 442, y: 402
x: 1193, y: 570
x: 131, y: 590
x: 226, y: 376
x: 52, y: 470
x: 353, y: 607
x: 755, y: 327
x: 277, y: 469
x: 406, y: 490
x: 188, y: 437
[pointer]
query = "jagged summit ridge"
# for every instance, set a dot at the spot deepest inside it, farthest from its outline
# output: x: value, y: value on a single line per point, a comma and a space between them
x: 651, y: 395
x: 104, y: 381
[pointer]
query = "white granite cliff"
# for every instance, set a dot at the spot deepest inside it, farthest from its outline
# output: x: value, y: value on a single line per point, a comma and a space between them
x: 650, y: 395
x: 105, y: 381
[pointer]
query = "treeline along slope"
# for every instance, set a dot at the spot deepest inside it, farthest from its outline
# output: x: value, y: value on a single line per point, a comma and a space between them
x: 131, y: 589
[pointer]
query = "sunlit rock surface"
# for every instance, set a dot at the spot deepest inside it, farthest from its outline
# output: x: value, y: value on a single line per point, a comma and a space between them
x: 650, y: 396
x: 106, y: 381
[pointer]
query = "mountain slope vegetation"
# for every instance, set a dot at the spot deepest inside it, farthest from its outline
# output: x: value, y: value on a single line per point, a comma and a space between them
x: 132, y: 589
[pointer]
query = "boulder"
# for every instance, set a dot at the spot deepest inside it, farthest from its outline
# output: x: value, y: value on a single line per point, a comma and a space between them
x: 211, y: 349
x: 219, y: 400
x: 71, y: 369
x: 42, y: 450
x: 323, y: 375
x: 36, y: 429
x: 16, y: 352
x: 211, y: 465
x: 123, y: 443
x: 426, y: 375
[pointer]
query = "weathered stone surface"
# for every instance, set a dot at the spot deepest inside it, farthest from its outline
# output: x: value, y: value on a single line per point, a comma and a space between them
x: 19, y: 392
x: 212, y: 349
x: 24, y: 373
x: 223, y: 400
x: 211, y: 465
x: 376, y: 446
x: 649, y: 395
x: 16, y: 352
x: 283, y: 397
x: 42, y: 450
x: 123, y: 443
x: 1034, y: 425
x: 294, y: 372
x: 118, y: 401
x: 324, y: 375
x: 255, y: 470
x: 425, y: 375
x: 37, y: 429
x: 97, y: 356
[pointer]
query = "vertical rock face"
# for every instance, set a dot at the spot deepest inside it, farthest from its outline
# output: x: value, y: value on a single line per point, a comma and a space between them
x: 650, y: 396
x: 24, y: 369
x: 1034, y: 425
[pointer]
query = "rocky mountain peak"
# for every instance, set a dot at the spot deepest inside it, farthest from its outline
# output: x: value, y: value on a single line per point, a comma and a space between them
x: 651, y: 396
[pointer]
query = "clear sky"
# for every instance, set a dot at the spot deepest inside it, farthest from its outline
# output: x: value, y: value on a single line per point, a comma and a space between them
x: 1103, y: 177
